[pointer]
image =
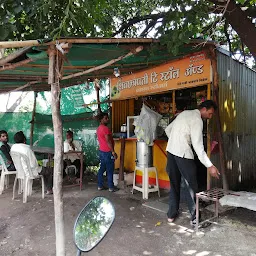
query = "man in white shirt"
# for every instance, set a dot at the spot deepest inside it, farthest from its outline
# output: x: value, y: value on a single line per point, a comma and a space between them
x: 72, y: 159
x: 20, y: 146
x: 186, y: 131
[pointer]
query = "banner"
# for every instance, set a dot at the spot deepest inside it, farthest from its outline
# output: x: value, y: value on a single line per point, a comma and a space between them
x: 77, y: 97
x: 190, y: 71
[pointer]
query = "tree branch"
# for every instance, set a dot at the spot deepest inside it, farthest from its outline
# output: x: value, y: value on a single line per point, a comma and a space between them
x: 240, y: 22
x: 148, y: 27
x: 135, y: 20
x: 227, y: 35
x: 219, y: 6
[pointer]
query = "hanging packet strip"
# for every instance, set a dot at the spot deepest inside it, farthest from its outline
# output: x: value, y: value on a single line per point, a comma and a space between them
x: 145, y: 125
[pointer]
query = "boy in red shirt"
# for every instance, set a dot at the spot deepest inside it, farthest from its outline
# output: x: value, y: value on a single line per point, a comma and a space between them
x: 107, y: 153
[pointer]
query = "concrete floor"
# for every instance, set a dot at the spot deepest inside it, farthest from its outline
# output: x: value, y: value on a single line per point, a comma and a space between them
x: 28, y: 229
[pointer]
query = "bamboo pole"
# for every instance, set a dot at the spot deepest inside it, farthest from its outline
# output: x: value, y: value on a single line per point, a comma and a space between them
x: 97, y: 103
x: 98, y: 98
x: 122, y: 153
x: 12, y: 56
x: 19, y: 44
x: 173, y: 103
x: 33, y: 120
x: 58, y: 152
x: 1, y: 53
x: 82, y: 67
x: 23, y: 86
x: 219, y: 130
x: 15, y: 65
x: 137, y: 50
x: 208, y: 138
x: 21, y: 78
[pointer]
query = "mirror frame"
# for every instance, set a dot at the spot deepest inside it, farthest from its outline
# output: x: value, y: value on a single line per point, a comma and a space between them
x: 79, y: 216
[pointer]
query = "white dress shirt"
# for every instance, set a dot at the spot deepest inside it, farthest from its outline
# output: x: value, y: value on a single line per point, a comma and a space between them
x: 184, y: 131
x: 78, y: 147
x: 26, y: 150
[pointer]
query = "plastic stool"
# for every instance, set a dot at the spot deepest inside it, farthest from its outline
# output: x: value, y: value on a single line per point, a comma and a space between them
x: 145, y: 189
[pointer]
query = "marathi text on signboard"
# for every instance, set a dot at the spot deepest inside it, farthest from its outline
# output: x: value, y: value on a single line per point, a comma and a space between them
x: 77, y: 97
x: 184, y: 73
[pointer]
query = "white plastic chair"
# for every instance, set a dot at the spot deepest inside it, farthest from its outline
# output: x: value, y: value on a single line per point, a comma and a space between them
x: 4, y: 181
x: 25, y: 175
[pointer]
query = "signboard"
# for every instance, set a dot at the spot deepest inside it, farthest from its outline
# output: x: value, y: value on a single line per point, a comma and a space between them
x: 77, y: 97
x: 190, y: 71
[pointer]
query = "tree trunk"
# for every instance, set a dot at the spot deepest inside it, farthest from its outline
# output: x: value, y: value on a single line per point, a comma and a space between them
x: 53, y: 79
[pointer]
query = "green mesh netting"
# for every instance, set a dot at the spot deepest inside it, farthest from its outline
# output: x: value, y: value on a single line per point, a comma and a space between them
x: 74, y: 117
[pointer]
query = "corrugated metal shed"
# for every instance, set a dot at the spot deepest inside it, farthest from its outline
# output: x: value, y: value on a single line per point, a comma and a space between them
x: 237, y: 103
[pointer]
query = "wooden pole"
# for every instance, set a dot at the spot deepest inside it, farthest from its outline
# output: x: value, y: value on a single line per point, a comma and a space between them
x: 208, y: 138
x: 53, y: 80
x: 173, y: 103
x: 1, y: 54
x: 19, y: 44
x: 23, y: 86
x: 33, y: 120
x: 108, y: 63
x: 10, y: 57
x: 121, y: 170
x: 219, y: 130
x: 15, y: 65
x: 98, y: 98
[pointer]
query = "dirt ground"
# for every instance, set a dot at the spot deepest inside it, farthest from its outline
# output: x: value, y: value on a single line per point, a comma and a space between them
x: 28, y: 229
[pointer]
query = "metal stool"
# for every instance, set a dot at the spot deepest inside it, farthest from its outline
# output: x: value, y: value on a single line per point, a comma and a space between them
x: 214, y: 194
x: 145, y: 187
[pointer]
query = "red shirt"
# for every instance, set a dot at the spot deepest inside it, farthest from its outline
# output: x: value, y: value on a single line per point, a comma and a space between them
x: 101, y: 132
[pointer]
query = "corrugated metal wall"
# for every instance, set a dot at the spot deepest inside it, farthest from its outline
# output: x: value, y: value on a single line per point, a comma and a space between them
x: 237, y: 96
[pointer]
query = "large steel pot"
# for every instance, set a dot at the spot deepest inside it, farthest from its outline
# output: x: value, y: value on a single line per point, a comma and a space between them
x: 144, y: 154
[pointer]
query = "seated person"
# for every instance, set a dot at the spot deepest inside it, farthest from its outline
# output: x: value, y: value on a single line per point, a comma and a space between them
x: 20, y: 146
x: 5, y: 151
x: 72, y: 159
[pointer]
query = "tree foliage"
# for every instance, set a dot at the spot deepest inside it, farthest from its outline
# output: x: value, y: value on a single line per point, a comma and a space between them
x: 174, y: 21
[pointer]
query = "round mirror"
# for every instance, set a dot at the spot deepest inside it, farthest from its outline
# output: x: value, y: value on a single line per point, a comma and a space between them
x: 93, y: 223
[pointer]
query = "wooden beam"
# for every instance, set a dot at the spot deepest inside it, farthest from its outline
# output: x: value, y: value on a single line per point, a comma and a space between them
x: 122, y: 152
x: 19, y: 44
x: 97, y: 103
x: 208, y: 138
x: 15, y: 65
x: 13, y: 56
x: 53, y: 80
x: 138, y: 49
x: 173, y: 103
x: 21, y: 78
x: 32, y: 122
x: 23, y: 86
x: 152, y: 63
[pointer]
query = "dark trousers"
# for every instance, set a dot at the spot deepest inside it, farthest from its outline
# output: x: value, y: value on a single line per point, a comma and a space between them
x: 176, y: 168
x: 47, y: 173
x: 107, y: 163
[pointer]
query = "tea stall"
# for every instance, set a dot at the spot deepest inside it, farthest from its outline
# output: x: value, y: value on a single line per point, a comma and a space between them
x: 167, y: 88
